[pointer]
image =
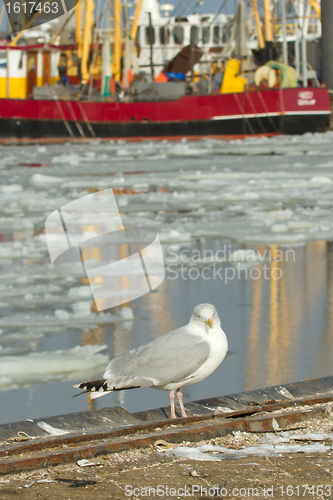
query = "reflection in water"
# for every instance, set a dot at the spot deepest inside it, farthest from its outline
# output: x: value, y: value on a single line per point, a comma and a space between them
x: 325, y: 348
x: 278, y: 355
x: 161, y: 318
x: 291, y: 323
x: 253, y: 353
x: 279, y: 330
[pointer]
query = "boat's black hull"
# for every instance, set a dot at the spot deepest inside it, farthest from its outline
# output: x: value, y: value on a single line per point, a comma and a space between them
x: 281, y: 124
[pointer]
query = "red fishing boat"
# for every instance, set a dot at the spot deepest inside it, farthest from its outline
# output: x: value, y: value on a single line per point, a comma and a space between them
x: 286, y: 111
x: 278, y: 102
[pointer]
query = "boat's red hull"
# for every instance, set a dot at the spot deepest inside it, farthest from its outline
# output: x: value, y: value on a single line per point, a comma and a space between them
x: 291, y: 111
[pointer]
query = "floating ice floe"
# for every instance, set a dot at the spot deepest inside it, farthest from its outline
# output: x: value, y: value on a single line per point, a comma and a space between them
x: 40, y: 180
x: 82, y: 307
x: 72, y: 159
x: 202, y: 192
x: 187, y: 150
x: 17, y: 291
x: 174, y: 235
x: 11, y: 188
x: 320, y: 181
x: 60, y: 317
x: 19, y: 371
x: 22, y: 249
x: 12, y: 224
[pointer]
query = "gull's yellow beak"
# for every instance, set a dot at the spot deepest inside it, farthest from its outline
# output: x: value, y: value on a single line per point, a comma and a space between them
x: 209, y: 322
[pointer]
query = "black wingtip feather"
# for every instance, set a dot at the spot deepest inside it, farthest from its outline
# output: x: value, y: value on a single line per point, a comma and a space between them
x: 93, y: 386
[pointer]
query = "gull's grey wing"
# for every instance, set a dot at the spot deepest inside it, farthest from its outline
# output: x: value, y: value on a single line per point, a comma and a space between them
x: 173, y: 357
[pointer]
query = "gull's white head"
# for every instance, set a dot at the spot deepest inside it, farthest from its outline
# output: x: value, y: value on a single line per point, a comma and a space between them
x: 205, y: 315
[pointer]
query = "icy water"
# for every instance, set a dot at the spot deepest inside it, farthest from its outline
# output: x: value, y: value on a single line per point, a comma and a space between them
x: 245, y: 225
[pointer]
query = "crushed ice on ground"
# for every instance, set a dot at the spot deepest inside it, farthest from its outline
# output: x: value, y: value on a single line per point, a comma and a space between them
x: 210, y: 452
x: 53, y: 431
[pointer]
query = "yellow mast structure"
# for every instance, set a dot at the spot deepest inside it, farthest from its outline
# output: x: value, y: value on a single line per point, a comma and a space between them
x: 261, y: 41
x: 88, y: 24
x: 316, y: 7
x: 117, y: 41
x: 83, y: 43
x: 78, y: 29
x: 134, y: 29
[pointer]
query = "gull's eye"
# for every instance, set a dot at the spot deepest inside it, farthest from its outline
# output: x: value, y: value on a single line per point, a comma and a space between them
x: 198, y: 316
x: 214, y: 313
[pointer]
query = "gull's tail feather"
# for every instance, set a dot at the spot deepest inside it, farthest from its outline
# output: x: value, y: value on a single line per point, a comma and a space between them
x: 98, y: 388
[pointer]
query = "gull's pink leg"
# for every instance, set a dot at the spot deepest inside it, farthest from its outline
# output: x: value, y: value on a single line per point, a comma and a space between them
x: 172, y: 404
x: 181, y: 404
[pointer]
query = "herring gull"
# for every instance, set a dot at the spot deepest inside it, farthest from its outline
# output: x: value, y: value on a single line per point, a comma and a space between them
x: 176, y: 359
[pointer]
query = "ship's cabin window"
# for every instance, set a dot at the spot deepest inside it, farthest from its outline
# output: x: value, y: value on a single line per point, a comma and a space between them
x: 224, y: 34
x: 206, y: 34
x: 216, y: 35
x: 195, y: 32
x: 137, y: 38
x: 178, y: 34
x: 3, y: 60
x: 21, y: 61
x: 150, y: 35
x: 164, y: 35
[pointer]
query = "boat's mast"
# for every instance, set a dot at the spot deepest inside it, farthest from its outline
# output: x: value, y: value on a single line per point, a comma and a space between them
x: 78, y: 29
x: 327, y: 42
x: 117, y: 41
x: 284, y: 33
x: 305, y: 24
x: 151, y: 42
x: 261, y: 41
x: 127, y: 62
x: 135, y: 24
x: 268, y: 29
x: 297, y: 61
x: 106, y: 54
x: 88, y: 24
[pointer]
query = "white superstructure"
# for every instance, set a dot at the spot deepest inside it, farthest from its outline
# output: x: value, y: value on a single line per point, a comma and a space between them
x: 169, y: 35
x: 214, y: 33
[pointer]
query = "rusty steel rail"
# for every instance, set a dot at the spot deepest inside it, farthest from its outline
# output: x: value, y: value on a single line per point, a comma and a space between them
x: 51, y: 455
x: 25, y: 445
